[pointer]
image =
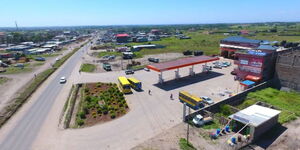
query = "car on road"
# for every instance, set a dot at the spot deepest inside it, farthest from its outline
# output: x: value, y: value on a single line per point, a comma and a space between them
x: 107, y: 66
x: 207, y: 100
x: 127, y: 72
x: 155, y: 60
x: 199, y: 120
x: 62, y: 80
x: 146, y: 69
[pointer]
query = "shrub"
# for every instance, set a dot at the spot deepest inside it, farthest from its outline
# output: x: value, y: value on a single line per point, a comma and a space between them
x: 86, y: 90
x: 80, y: 122
x: 113, y: 115
x: 88, y: 98
x: 82, y: 115
x: 225, y: 110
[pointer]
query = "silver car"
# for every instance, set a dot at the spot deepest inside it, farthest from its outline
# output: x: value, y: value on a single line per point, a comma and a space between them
x: 207, y: 100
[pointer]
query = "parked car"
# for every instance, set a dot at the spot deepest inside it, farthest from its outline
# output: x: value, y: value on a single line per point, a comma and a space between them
x: 198, y: 120
x: 127, y: 72
x: 218, y: 66
x: 226, y: 64
x: 62, y: 80
x: 207, y: 100
x: 146, y: 69
x: 155, y: 60
x: 19, y: 65
x: 40, y: 59
x: 233, y: 73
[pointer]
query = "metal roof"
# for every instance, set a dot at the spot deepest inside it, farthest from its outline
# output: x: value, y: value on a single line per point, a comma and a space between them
x: 181, y: 63
x: 255, y: 115
x: 267, y: 47
x: 241, y: 40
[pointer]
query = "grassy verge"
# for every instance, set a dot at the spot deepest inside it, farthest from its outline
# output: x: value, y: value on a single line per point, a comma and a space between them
x: 31, y: 87
x: 184, y: 145
x: 3, y: 80
x: 42, y: 55
x: 288, y: 102
x: 87, y: 67
x: 72, y: 100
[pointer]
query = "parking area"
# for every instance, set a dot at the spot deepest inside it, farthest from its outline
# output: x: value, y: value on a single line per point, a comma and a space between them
x: 150, y: 114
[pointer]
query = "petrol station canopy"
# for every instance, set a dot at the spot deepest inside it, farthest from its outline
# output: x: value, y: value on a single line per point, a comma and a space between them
x: 184, y: 62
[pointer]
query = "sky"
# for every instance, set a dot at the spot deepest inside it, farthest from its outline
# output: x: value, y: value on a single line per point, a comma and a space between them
x: 30, y: 13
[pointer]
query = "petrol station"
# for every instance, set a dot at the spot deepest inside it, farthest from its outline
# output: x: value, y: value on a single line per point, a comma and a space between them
x: 180, y: 63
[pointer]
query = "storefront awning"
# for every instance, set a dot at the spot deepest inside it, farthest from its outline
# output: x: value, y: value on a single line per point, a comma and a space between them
x: 253, y: 78
x: 247, y: 83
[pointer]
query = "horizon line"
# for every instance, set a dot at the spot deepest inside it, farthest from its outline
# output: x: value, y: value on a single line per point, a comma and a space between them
x: 52, y: 26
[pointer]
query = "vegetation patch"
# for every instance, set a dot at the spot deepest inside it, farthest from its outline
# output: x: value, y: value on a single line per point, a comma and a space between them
x: 287, y: 102
x: 185, y: 145
x: 3, y: 80
x: 100, y: 102
x: 87, y: 68
x: 101, y: 54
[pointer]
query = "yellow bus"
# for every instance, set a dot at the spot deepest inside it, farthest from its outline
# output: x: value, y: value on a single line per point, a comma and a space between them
x: 190, y: 100
x: 135, y: 84
x: 124, y: 85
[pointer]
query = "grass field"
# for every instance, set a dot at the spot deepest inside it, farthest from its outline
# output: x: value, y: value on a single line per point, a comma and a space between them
x: 208, y: 43
x: 87, y: 67
x: 101, y: 54
x: 288, y: 102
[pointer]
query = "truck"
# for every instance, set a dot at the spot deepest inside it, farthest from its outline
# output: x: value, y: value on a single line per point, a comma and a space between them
x: 199, y: 120
x: 107, y: 66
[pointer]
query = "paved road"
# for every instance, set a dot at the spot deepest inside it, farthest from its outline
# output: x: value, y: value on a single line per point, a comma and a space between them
x: 22, y: 136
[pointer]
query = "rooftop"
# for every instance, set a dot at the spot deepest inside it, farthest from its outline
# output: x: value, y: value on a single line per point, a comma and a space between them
x: 267, y: 47
x: 241, y: 40
x: 254, y: 115
x: 122, y: 35
x: 181, y: 63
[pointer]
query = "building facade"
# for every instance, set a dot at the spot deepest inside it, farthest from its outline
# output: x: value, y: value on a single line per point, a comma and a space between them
x: 255, y: 65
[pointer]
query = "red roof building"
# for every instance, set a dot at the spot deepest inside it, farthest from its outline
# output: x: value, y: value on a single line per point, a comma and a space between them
x: 122, y: 38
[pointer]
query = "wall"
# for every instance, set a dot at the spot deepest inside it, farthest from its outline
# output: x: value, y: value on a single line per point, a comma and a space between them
x: 234, y: 100
x: 288, y: 69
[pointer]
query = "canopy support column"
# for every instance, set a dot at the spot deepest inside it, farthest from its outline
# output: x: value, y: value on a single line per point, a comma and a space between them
x: 177, y: 76
x: 192, y: 73
x: 160, y: 78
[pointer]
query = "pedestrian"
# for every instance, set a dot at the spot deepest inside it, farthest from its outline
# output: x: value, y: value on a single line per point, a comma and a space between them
x: 149, y: 92
x: 171, y: 96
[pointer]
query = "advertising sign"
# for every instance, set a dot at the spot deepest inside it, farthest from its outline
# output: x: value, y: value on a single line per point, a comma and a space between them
x: 250, y: 69
x: 255, y: 62
x: 244, y: 62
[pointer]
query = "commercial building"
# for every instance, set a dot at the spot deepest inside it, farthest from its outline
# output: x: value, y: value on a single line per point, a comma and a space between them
x: 230, y: 45
x: 122, y: 38
x: 255, y: 65
x: 254, y: 120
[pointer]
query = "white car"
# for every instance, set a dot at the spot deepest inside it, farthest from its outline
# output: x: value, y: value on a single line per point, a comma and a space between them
x: 198, y: 120
x: 207, y: 100
x: 63, y: 80
x: 146, y: 69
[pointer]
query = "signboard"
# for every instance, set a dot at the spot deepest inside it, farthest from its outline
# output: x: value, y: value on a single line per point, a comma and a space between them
x: 256, y: 52
x: 255, y: 62
x: 244, y: 62
x: 250, y: 69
